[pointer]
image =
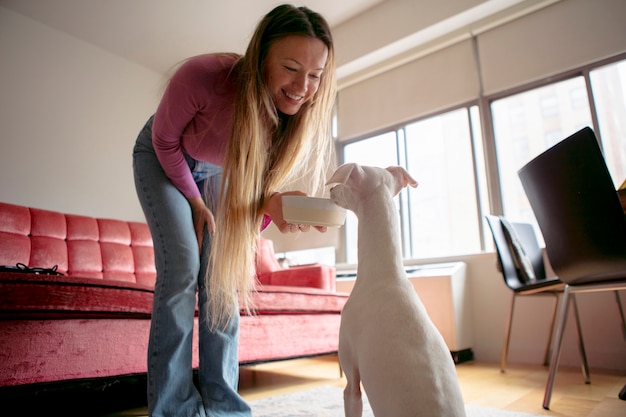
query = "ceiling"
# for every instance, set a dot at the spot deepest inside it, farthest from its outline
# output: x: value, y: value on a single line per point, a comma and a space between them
x: 159, y: 33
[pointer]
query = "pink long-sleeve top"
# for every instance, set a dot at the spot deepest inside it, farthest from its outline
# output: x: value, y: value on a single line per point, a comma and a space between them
x: 195, y: 117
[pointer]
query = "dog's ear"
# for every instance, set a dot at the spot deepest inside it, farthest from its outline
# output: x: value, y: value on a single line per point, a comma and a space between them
x: 341, y: 174
x: 405, y: 178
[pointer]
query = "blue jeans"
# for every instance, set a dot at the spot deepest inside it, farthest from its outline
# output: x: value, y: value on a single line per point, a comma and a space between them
x: 180, y: 277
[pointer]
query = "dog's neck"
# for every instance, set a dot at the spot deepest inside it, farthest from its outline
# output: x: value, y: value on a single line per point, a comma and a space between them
x: 379, y: 248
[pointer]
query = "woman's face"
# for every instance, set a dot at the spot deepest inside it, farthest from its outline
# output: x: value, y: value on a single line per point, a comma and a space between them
x: 294, y: 67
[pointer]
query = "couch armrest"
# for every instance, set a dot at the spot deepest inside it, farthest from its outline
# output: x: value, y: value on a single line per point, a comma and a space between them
x: 313, y: 275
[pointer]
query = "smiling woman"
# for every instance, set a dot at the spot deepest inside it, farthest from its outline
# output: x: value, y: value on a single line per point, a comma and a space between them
x: 262, y: 119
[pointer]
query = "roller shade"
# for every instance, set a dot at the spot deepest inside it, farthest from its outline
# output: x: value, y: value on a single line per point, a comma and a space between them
x: 435, y: 81
x: 562, y: 37
x: 566, y: 35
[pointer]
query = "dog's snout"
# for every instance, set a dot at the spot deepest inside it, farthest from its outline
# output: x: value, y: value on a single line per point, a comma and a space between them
x: 336, y: 194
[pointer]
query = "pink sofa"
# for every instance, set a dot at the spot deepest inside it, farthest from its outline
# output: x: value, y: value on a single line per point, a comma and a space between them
x: 93, y: 320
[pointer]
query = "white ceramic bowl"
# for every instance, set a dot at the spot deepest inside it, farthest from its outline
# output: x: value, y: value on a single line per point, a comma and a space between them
x: 312, y: 211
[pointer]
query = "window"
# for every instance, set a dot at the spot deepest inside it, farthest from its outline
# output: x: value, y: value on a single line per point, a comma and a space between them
x: 380, y: 151
x: 444, y: 152
x: 608, y: 85
x: 439, y: 217
x: 550, y: 114
x: 443, y: 208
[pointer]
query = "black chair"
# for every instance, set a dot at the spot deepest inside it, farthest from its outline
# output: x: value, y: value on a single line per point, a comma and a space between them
x: 582, y: 222
x: 519, y: 281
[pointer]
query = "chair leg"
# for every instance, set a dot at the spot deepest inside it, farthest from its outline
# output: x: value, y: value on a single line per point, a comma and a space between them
x: 556, y: 347
x: 621, y: 313
x: 546, y: 355
x: 581, y: 344
x: 507, y: 336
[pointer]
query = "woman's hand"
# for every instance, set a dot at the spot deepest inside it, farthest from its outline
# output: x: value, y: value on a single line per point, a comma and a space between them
x: 202, y: 216
x: 274, y: 209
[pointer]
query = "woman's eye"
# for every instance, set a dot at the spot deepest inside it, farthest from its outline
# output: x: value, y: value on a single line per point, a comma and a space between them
x: 291, y: 69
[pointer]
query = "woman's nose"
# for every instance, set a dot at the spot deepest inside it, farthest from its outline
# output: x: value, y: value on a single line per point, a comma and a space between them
x: 300, y: 82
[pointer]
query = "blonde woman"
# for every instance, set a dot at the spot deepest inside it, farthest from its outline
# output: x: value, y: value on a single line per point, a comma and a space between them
x: 229, y: 133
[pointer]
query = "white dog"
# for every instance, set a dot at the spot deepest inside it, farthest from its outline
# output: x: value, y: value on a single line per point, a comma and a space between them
x: 386, y: 339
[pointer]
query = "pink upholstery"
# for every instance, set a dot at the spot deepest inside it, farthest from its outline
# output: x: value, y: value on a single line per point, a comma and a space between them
x: 93, y: 321
x: 269, y: 271
x: 83, y: 247
x: 15, y: 228
x: 78, y: 245
x: 266, y: 261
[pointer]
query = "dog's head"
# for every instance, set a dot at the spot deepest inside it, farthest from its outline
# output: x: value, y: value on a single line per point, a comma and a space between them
x: 355, y: 183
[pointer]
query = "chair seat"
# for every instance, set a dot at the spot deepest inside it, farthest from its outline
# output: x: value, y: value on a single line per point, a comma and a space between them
x: 553, y: 284
x: 618, y: 274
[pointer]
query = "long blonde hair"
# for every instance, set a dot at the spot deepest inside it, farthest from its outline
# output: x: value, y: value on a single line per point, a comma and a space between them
x: 266, y: 151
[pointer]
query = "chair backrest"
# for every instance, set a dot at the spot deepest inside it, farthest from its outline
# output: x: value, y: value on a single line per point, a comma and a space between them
x: 528, y: 240
x: 578, y: 210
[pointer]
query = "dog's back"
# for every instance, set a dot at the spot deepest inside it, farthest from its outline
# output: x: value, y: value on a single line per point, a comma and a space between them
x: 402, y: 359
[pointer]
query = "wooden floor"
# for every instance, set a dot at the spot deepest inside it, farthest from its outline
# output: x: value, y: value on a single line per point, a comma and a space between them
x: 520, y: 389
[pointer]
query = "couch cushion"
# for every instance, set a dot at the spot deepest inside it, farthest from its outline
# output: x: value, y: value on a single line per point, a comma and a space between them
x: 140, y: 234
x: 277, y: 299
x: 117, y: 256
x: 145, y: 271
x: 48, y: 223
x: 46, y: 252
x: 14, y: 234
x: 84, y: 255
x: 25, y: 295
x: 14, y: 219
x: 14, y: 248
x: 117, y: 262
x: 82, y: 228
x: 31, y: 295
x: 84, y: 258
x: 143, y: 253
x: 114, y: 231
x: 48, y: 232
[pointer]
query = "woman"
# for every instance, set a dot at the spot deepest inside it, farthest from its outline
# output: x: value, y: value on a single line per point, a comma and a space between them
x: 229, y: 132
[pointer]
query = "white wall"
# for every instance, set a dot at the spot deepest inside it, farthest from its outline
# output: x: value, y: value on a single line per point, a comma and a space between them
x: 70, y: 115
x: 491, y: 299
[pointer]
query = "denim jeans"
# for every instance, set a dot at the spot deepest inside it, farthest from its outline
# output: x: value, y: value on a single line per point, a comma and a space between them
x: 180, y: 277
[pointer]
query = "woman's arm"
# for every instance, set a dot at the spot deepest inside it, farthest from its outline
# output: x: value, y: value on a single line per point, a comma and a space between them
x: 193, y: 104
x: 202, y: 217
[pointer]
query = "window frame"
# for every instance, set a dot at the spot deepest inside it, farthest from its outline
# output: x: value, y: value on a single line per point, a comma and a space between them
x: 489, y: 201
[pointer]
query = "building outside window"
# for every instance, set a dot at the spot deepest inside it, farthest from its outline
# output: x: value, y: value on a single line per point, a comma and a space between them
x: 549, y: 115
x: 443, y: 208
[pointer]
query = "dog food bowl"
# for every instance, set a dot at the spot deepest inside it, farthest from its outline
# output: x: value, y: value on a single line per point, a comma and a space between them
x: 312, y: 211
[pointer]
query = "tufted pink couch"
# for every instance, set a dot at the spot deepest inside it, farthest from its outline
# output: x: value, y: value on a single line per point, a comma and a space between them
x: 93, y: 320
